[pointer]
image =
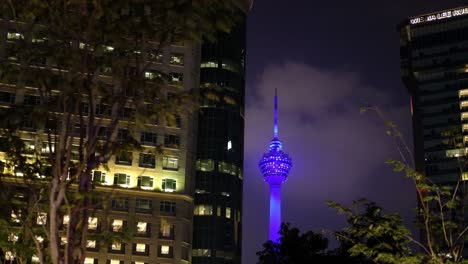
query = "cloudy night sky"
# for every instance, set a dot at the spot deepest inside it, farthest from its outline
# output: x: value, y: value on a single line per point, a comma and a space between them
x: 326, y: 58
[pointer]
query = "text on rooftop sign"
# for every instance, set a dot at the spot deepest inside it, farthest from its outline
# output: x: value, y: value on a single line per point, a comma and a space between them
x: 439, y: 16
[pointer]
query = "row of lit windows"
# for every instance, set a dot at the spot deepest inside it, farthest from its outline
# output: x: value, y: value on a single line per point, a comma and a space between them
x: 174, y: 59
x: 205, y: 209
x: 209, y: 165
x: 208, y: 253
x: 143, y: 182
x: 147, y: 160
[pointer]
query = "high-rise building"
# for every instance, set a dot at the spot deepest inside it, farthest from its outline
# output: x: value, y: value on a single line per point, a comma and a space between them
x: 151, y: 187
x: 434, y: 65
x: 275, y: 166
x: 218, y: 182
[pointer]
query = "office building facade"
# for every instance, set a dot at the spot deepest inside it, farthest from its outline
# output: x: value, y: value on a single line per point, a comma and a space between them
x: 218, y: 182
x: 149, y: 188
x: 434, y: 65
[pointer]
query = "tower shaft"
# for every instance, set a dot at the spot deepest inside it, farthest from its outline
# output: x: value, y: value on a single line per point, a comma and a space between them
x: 275, y: 211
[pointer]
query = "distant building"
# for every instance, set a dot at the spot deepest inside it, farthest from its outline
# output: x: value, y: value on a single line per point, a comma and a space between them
x: 434, y: 65
x: 217, y: 220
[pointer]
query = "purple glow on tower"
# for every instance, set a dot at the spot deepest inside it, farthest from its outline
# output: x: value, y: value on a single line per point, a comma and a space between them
x: 275, y: 166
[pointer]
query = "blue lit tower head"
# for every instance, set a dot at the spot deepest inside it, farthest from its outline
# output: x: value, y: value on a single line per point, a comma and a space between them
x: 275, y: 166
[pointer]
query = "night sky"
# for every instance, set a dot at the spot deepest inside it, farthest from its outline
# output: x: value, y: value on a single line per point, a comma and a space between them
x: 326, y: 58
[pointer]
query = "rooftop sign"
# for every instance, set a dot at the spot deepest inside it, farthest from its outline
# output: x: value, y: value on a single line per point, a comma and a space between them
x: 439, y: 16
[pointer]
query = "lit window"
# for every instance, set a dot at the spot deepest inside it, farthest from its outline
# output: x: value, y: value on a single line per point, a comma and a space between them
x: 142, y: 227
x: 170, y: 163
x: 66, y: 219
x: 92, y: 223
x: 63, y: 241
x: 165, y: 229
x: 91, y: 243
x: 203, y: 209
x: 177, y: 59
x: 14, y: 35
x: 464, y: 176
x: 229, y: 145
x: 228, y: 213
x: 205, y: 165
x: 41, y: 218
x: 140, y: 247
x: 114, y: 261
x: 9, y: 255
x: 225, y: 194
x: 152, y: 75
x: 116, y: 245
x: 176, y: 78
x: 201, y: 252
x: 209, y: 64
x: 88, y: 261
x: 165, y: 250
x: 15, y: 217
x: 13, y: 237
x: 117, y: 225
x: 218, y: 211
x: 463, y: 92
x: 168, y: 185
x: 463, y: 104
x: 464, y: 116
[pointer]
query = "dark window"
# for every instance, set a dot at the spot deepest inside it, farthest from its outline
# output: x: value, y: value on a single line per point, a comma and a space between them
x: 144, y: 205
x: 102, y: 110
x: 145, y: 182
x: 120, y: 204
x: 167, y: 207
x: 121, y: 179
x: 168, y: 185
x: 31, y: 100
x: 171, y: 141
x: 99, y: 177
x: 147, y: 160
x: 124, y: 158
x: 8, y: 98
x: 170, y: 163
x: 148, y: 138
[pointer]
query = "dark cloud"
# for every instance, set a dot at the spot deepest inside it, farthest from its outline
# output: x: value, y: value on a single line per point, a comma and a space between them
x: 338, y: 153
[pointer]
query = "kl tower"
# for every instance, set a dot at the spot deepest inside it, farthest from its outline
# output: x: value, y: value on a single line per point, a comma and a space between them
x: 275, y: 166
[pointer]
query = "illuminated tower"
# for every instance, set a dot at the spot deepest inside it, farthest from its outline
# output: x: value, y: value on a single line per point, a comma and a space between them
x: 275, y: 166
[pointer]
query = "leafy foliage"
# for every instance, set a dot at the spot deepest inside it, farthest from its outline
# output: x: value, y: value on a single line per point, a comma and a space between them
x: 86, y: 70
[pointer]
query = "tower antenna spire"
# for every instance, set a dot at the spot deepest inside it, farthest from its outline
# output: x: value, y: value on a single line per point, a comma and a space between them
x: 275, y: 128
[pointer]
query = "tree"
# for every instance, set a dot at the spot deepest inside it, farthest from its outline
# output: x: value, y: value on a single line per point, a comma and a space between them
x: 85, y: 70
x: 441, y: 215
x: 371, y: 236
x: 294, y: 247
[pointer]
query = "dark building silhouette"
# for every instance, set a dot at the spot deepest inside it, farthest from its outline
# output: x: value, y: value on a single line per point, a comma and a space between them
x: 218, y: 185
